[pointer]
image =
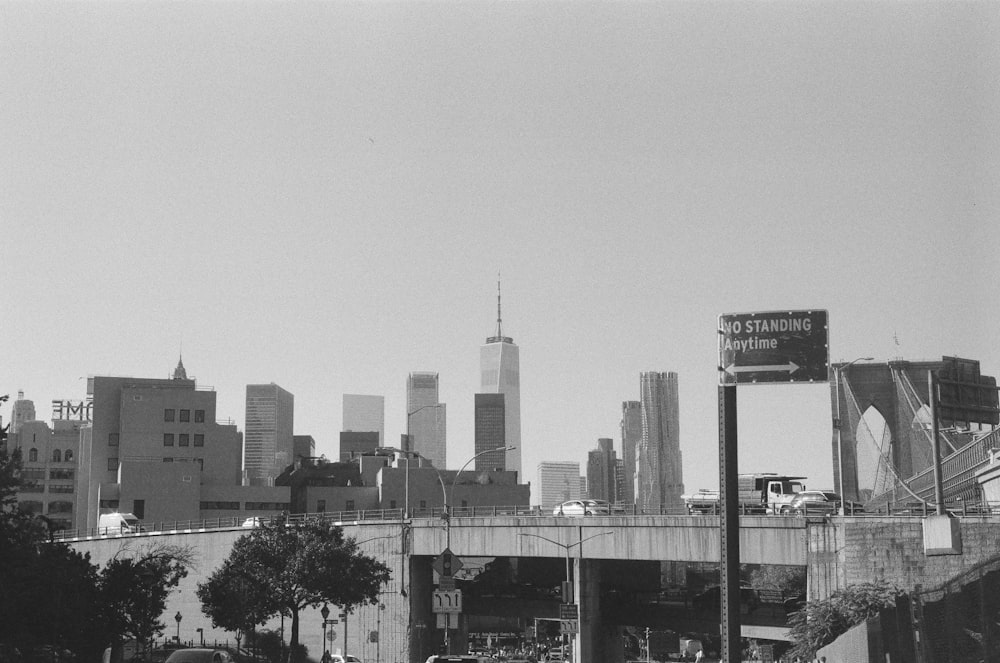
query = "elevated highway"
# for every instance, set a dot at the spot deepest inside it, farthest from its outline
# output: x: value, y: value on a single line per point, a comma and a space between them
x: 613, y: 571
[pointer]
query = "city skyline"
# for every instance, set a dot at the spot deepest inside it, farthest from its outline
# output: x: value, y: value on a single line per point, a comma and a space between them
x: 321, y: 196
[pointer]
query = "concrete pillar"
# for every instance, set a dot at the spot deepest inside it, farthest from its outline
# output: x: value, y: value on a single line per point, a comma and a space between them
x: 424, y: 637
x: 592, y: 643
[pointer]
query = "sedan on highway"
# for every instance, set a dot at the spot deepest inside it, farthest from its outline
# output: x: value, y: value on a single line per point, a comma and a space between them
x: 583, y: 508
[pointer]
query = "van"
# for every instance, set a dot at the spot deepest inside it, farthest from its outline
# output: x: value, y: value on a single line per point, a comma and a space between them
x: 118, y: 523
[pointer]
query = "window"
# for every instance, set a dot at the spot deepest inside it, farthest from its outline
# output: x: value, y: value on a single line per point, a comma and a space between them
x: 392, y: 504
x: 60, y: 474
x: 68, y: 455
x: 168, y: 414
x: 60, y: 507
x: 199, y: 416
x: 423, y: 504
x: 199, y: 440
x: 56, y: 456
x: 139, y: 508
x: 112, y: 439
x: 185, y: 416
x: 224, y: 506
x: 349, y: 506
x: 320, y: 506
x: 168, y: 460
x: 168, y: 439
x: 60, y: 488
x: 33, y: 455
x: 184, y: 440
x: 112, y: 464
x: 108, y: 504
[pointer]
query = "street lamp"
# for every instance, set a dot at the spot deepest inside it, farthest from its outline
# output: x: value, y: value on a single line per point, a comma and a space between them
x: 838, y: 377
x: 567, y: 546
x: 325, y: 613
x: 178, y: 618
x: 201, y: 635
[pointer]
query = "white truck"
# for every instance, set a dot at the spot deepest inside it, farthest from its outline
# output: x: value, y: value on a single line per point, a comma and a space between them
x: 116, y: 524
x: 763, y: 493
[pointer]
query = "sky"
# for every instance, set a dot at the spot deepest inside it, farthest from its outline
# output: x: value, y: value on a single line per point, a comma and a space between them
x: 322, y: 195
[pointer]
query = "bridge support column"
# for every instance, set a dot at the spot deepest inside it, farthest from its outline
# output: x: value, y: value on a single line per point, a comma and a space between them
x: 594, y: 642
x: 424, y: 638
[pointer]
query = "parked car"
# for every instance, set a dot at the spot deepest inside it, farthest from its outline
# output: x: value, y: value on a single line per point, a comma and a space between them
x: 459, y: 658
x: 819, y: 503
x: 200, y: 655
x: 349, y: 658
x: 582, y: 508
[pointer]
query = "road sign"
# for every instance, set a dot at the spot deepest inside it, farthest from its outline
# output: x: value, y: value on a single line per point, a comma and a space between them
x: 447, y: 564
x: 774, y: 347
x: 569, y: 611
x: 446, y: 582
x: 569, y: 626
x: 447, y: 620
x: 447, y: 602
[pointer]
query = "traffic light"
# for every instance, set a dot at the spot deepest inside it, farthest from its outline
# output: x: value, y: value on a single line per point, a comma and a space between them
x: 567, y: 591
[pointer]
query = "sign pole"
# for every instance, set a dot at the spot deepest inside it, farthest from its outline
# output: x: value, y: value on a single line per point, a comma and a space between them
x: 729, y: 525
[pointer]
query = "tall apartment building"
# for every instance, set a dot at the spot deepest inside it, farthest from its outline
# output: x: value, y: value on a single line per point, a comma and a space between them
x: 659, y: 473
x: 153, y: 448
x: 426, y: 418
x: 601, y: 463
x: 631, y: 427
x: 489, y: 432
x: 269, y: 440
x: 500, y: 372
x: 558, y: 482
x: 363, y: 414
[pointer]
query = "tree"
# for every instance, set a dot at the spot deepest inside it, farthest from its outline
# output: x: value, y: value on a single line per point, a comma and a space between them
x: 235, y: 601
x: 821, y: 622
x: 302, y: 564
x: 134, y: 588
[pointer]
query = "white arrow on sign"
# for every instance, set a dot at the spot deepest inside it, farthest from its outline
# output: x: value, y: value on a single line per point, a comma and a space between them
x: 733, y: 369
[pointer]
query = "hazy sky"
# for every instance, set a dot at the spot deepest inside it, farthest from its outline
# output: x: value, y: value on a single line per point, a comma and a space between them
x: 321, y: 195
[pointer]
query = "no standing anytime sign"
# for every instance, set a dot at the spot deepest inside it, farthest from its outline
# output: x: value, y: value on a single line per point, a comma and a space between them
x: 774, y: 347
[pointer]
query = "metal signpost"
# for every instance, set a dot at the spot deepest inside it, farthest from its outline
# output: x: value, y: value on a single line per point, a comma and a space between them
x: 446, y: 600
x: 771, y: 347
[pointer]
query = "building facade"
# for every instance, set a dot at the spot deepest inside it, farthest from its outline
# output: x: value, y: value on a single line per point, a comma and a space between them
x: 631, y: 431
x: 500, y: 373
x: 490, y: 417
x: 21, y: 412
x: 558, y: 482
x: 659, y: 475
x: 364, y: 413
x: 49, y: 468
x: 268, y: 433
x: 601, y: 463
x: 426, y: 418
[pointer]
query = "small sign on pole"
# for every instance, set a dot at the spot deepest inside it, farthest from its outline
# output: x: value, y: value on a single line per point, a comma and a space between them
x: 774, y: 347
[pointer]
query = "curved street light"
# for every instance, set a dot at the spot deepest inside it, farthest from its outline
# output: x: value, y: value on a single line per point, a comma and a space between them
x: 839, y: 374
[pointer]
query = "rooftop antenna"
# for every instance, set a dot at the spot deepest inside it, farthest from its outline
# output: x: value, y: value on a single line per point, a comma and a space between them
x: 499, y: 333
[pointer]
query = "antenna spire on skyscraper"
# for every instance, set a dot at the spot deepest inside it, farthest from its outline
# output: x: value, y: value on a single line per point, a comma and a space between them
x: 499, y: 333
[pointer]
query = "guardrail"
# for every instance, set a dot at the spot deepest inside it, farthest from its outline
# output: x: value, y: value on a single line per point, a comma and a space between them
x: 917, y: 510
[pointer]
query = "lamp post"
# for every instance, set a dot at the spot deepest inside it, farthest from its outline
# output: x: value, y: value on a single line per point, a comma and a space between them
x: 201, y: 636
x: 839, y: 376
x: 567, y: 546
x: 177, y: 618
x: 325, y: 613
x: 343, y: 616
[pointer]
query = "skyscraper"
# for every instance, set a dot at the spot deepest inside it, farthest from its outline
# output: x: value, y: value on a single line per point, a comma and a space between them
x: 490, y: 417
x: 659, y: 475
x: 500, y: 370
x: 631, y: 425
x: 269, y: 440
x: 601, y: 471
x: 364, y: 414
x: 558, y: 482
x: 21, y: 413
x: 426, y: 418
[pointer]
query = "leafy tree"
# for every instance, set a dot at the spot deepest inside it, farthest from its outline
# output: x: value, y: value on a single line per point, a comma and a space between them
x: 302, y: 564
x: 821, y: 622
x: 134, y: 588
x: 49, y: 591
x: 235, y: 601
x: 269, y: 644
